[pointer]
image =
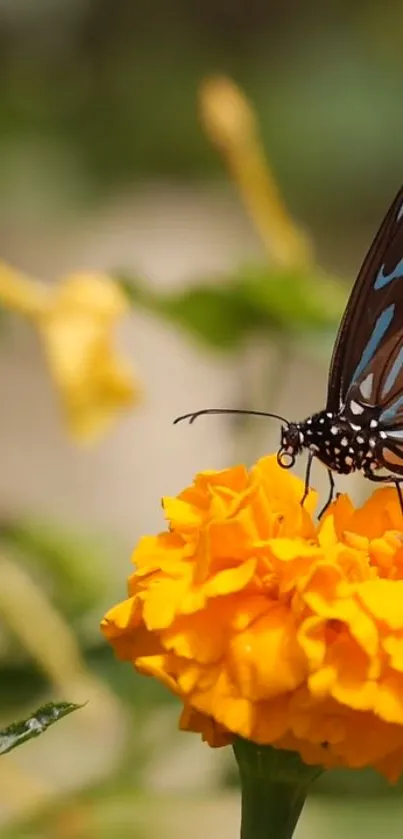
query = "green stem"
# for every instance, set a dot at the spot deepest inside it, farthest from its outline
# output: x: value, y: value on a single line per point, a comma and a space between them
x: 273, y: 815
x: 274, y: 787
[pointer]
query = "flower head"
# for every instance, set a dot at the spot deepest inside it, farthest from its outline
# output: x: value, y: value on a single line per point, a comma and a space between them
x: 75, y: 319
x: 269, y: 625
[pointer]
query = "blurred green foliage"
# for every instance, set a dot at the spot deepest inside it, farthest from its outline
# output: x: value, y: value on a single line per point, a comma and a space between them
x: 71, y: 566
x: 224, y: 312
x: 108, y: 91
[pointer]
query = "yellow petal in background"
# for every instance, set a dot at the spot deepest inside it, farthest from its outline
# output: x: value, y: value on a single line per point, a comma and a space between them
x: 75, y: 319
x: 21, y: 294
x: 231, y: 124
x: 76, y: 328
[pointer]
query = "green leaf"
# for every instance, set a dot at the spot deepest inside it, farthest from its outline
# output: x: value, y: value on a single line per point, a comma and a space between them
x: 219, y: 316
x: 254, y: 299
x: 293, y: 300
x: 19, y: 732
x: 215, y: 314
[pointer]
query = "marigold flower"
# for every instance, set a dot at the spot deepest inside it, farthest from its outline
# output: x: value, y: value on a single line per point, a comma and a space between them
x: 269, y: 625
x: 75, y: 319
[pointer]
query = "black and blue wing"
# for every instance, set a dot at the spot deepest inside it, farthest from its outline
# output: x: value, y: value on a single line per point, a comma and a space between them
x: 366, y: 374
x: 370, y: 336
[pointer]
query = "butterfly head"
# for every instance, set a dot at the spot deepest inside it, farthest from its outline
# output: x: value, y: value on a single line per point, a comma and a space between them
x: 291, y: 445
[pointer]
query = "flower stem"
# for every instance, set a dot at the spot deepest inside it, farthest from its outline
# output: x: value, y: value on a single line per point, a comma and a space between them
x: 274, y: 785
x: 270, y: 814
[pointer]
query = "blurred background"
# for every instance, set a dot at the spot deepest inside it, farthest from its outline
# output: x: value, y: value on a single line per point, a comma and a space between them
x: 126, y: 150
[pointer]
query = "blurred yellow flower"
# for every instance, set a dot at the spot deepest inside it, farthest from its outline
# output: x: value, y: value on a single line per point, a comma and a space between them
x: 231, y: 124
x: 269, y: 625
x: 75, y: 319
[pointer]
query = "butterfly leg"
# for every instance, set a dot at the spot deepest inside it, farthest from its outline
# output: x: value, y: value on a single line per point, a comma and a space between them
x: 399, y: 494
x: 331, y: 493
x: 307, y: 477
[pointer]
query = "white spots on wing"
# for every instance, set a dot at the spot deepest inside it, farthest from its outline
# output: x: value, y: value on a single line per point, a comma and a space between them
x: 356, y: 408
x: 321, y: 420
x: 355, y: 427
x: 372, y: 443
x: 383, y: 434
x: 337, y: 451
x: 348, y: 460
x: 334, y: 429
x: 344, y: 441
x: 301, y: 437
x: 366, y: 386
x: 330, y: 415
x: 360, y: 439
x: 373, y: 423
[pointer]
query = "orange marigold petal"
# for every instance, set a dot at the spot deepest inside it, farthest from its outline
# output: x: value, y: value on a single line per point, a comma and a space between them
x: 202, y: 636
x: 271, y: 720
x: 182, y: 517
x: 287, y: 550
x: 340, y: 512
x: 161, y: 667
x: 384, y: 600
x: 379, y: 513
x: 231, y: 580
x: 389, y: 704
x: 361, y: 627
x: 393, y: 646
x: 163, y: 603
x: 121, y: 617
x: 311, y: 637
x: 212, y: 733
x: 265, y: 660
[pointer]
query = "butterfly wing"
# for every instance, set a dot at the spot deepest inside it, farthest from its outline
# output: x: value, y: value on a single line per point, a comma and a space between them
x: 371, y: 326
x: 376, y: 394
x: 388, y: 394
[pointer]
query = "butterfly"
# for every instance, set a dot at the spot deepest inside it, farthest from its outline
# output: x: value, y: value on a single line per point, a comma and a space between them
x: 361, y: 427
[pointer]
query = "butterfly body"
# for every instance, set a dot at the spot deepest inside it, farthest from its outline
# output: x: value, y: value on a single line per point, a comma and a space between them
x: 340, y: 445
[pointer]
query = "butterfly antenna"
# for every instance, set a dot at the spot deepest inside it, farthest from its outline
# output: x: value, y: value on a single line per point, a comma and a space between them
x: 194, y: 416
